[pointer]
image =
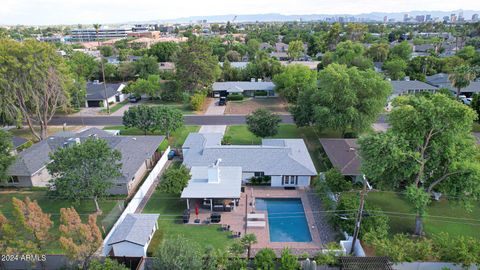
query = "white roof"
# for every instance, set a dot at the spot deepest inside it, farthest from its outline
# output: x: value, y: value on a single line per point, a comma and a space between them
x: 228, y: 187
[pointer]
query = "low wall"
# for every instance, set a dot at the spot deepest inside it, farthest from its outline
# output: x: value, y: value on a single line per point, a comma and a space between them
x: 138, y: 197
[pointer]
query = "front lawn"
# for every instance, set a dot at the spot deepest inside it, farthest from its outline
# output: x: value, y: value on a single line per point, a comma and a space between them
x: 170, y: 207
x: 115, y: 107
x: 25, y: 132
x: 240, y: 135
x: 111, y: 208
x: 176, y: 139
x: 442, y: 216
x: 185, y: 108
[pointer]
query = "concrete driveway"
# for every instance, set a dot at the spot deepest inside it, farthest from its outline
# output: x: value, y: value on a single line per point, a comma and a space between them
x: 214, y: 109
x: 213, y: 129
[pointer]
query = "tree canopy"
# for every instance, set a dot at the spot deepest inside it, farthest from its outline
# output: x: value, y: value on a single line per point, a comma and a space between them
x: 174, y: 180
x: 164, y: 51
x: 6, y: 158
x: 84, y: 170
x: 141, y: 117
x: 427, y: 148
x: 347, y: 99
x: 263, y: 123
x: 294, y: 79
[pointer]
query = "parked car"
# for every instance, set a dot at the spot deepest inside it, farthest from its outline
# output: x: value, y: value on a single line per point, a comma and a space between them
x: 222, y: 101
x: 465, y: 100
x: 134, y: 99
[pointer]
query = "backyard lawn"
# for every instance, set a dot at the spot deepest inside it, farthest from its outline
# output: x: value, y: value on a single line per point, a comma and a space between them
x: 176, y: 138
x: 240, y: 135
x: 170, y: 207
x: 442, y: 216
x: 111, y: 210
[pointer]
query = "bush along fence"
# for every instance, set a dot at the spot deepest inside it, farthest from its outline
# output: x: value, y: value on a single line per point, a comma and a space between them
x: 138, y: 197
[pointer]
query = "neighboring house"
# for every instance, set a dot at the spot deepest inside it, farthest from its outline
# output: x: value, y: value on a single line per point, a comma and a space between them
x: 343, y: 155
x: 132, y: 237
x: 166, y: 66
x: 19, y: 144
x: 441, y: 80
x: 410, y: 87
x: 239, y: 65
x: 245, y: 88
x: 96, y: 94
x: 218, y: 171
x: 139, y: 154
x: 265, y: 46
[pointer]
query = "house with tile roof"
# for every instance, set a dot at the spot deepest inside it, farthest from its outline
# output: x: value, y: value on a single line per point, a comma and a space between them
x: 139, y: 153
x: 97, y: 96
x: 343, y: 154
x: 218, y: 171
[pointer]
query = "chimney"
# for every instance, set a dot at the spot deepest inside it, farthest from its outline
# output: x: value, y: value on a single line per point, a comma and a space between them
x: 214, y: 172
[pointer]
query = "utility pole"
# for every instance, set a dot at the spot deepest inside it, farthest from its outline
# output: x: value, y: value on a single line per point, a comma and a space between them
x: 358, y: 220
x: 97, y: 28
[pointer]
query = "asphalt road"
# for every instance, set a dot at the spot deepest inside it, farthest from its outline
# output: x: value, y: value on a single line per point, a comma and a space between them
x: 189, y: 120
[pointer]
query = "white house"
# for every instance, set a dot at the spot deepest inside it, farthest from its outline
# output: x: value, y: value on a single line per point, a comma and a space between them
x: 96, y: 94
x: 132, y: 237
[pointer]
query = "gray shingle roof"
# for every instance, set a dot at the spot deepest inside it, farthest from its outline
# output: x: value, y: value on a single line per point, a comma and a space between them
x: 274, y: 156
x: 134, y: 149
x: 135, y: 228
x: 402, y: 87
x: 343, y: 155
x: 225, y: 86
x: 441, y: 80
x: 96, y: 91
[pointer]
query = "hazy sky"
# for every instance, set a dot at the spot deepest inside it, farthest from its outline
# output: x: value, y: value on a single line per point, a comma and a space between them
x: 42, y: 12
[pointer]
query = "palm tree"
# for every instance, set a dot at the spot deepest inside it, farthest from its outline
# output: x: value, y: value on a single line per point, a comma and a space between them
x: 97, y: 28
x: 461, y: 77
x: 247, y: 241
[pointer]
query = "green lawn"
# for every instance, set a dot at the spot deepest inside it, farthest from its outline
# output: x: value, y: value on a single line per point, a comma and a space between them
x: 170, y: 207
x: 115, y: 107
x: 311, y: 136
x: 111, y: 210
x: 454, y: 218
x: 176, y: 138
x: 185, y: 108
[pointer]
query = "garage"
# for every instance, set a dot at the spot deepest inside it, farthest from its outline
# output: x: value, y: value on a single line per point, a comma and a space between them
x: 93, y: 103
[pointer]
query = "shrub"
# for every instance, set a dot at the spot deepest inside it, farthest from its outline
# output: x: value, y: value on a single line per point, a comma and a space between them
x: 178, y: 253
x: 260, y: 180
x: 336, y: 182
x: 261, y: 93
x: 227, y: 140
x: 288, y: 261
x: 265, y: 259
x: 197, y: 101
x: 234, y: 97
x: 328, y: 256
x: 402, y: 248
x: 174, y: 180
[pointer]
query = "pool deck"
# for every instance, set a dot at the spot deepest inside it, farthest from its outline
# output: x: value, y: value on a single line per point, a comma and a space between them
x: 237, y: 218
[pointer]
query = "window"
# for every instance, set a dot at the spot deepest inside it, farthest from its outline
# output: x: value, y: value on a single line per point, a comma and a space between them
x: 290, y: 180
x: 259, y: 174
x: 13, y: 179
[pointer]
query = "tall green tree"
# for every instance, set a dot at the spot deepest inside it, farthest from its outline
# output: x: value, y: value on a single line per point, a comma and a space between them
x: 164, y: 51
x: 427, y: 148
x: 295, y: 49
x: 461, y: 77
x: 84, y: 170
x: 197, y: 67
x: 379, y: 51
x: 402, y: 51
x: 293, y: 80
x: 348, y: 98
x: 350, y: 54
x: 83, y: 65
x: 34, y: 82
x: 151, y: 86
x: 142, y: 117
x: 6, y: 158
x: 168, y: 119
x: 263, y: 123
x: 395, y: 68
x: 147, y: 65
x: 174, y: 180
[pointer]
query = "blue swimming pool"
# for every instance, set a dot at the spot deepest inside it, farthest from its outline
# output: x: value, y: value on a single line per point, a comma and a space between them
x: 286, y: 219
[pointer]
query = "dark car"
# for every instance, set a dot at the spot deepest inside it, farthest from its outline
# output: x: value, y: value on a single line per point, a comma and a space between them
x: 134, y: 99
x: 222, y: 101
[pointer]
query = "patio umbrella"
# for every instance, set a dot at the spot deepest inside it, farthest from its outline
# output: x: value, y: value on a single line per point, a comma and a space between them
x: 196, y: 211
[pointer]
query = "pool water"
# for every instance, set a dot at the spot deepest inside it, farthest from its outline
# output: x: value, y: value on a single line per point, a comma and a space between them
x: 286, y: 219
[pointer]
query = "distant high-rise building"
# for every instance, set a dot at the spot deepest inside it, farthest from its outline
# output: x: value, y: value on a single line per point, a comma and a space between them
x: 453, y: 18
x: 475, y: 17
x: 428, y: 18
x: 385, y: 19
x: 405, y: 17
x: 420, y: 18
x: 460, y: 16
x: 446, y: 19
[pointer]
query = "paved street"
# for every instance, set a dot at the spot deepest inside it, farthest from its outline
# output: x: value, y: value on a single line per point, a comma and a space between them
x: 189, y: 120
